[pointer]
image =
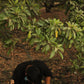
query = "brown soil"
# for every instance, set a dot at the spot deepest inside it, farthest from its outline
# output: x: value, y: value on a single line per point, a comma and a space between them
x: 57, y: 13
x: 61, y: 69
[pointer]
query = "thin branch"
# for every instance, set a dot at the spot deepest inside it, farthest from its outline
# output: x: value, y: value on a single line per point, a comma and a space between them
x: 7, y: 58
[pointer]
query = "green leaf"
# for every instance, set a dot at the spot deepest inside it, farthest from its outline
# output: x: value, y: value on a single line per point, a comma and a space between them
x: 8, y: 41
x: 74, y: 34
x: 34, y: 41
x: 56, y: 49
x: 71, y: 41
x: 40, y: 23
x: 3, y: 17
x: 82, y: 49
x: 38, y: 47
x: 19, y: 26
x: 52, y: 54
x: 29, y: 35
x: 60, y: 54
x: 43, y: 49
x: 10, y: 22
x: 59, y: 45
x: 10, y: 1
x: 70, y: 35
x: 11, y: 27
x: 47, y: 47
x: 16, y: 1
x: 67, y: 34
x: 70, y: 45
x: 62, y: 49
x: 82, y: 67
x: 47, y: 37
x: 28, y: 12
x: 43, y: 43
x: 35, y: 11
x: 38, y: 31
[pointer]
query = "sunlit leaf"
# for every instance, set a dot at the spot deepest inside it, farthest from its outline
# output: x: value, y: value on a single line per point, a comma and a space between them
x: 47, y: 47
x: 52, y: 54
x: 70, y: 35
x: 56, y: 33
x: 38, y: 47
x: 61, y: 55
x: 29, y: 34
x: 16, y: 1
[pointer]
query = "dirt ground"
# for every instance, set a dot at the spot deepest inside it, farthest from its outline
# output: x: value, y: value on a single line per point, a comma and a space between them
x: 61, y: 69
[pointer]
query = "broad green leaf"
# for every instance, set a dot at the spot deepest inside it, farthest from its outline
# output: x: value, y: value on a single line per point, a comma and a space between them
x: 47, y: 37
x: 16, y: 1
x: 74, y: 34
x: 71, y: 41
x: 43, y: 49
x: 59, y: 45
x: 40, y: 23
x: 38, y: 31
x: 28, y: 12
x: 82, y: 49
x: 43, y: 43
x: 70, y: 45
x: 35, y: 11
x: 38, y: 47
x: 8, y: 41
x: 60, y: 54
x: 47, y: 47
x: 62, y: 49
x: 70, y: 35
x: 34, y: 20
x: 10, y: 1
x: 11, y: 27
x: 33, y: 41
x: 82, y: 67
x: 22, y: 29
x: 67, y: 34
x: 3, y: 17
x: 29, y: 35
x: 19, y: 26
x: 56, y: 49
x: 52, y: 54
x: 10, y: 22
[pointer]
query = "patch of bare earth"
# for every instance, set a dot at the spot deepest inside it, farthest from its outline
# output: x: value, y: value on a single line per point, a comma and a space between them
x: 55, y: 13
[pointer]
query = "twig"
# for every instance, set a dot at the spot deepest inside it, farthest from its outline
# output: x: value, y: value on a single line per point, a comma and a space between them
x: 7, y: 58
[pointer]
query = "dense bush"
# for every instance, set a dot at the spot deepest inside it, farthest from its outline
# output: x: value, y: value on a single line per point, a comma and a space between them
x: 15, y: 15
x: 76, y: 11
x: 48, y: 35
x: 76, y: 14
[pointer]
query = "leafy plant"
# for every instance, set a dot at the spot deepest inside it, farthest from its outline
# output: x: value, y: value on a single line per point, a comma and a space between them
x: 45, y: 34
x: 78, y: 64
x: 49, y: 35
x: 76, y: 14
x: 15, y: 16
x: 71, y: 31
x: 79, y: 45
